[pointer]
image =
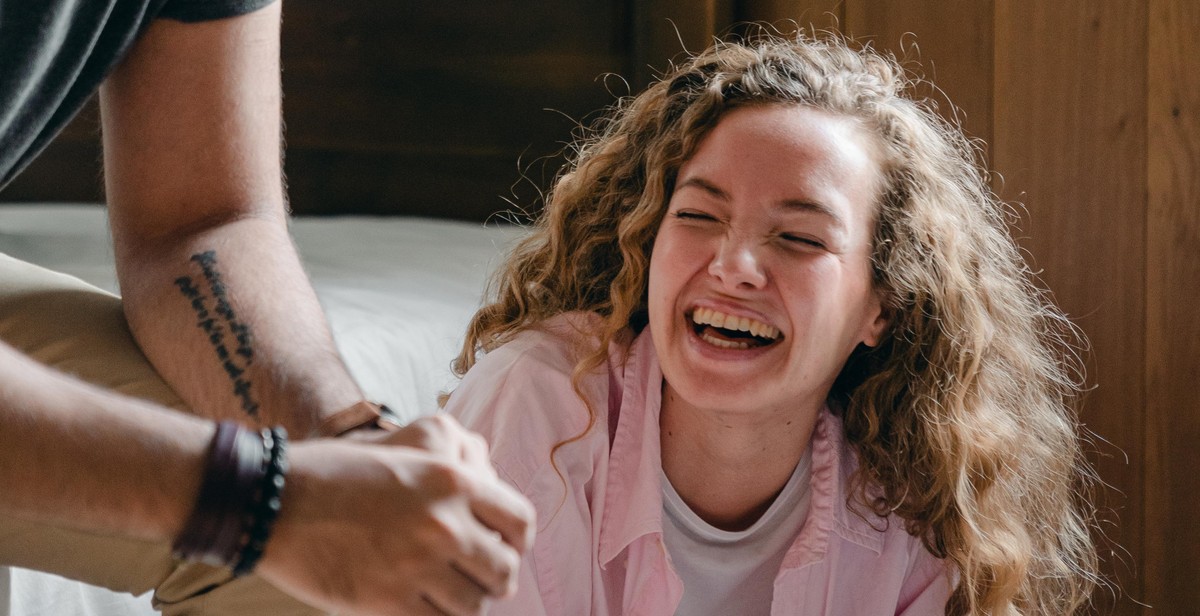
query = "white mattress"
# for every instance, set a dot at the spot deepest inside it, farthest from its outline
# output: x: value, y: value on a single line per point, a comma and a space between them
x: 398, y: 293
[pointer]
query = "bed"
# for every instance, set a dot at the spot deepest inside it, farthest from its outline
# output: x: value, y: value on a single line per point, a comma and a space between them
x: 397, y: 291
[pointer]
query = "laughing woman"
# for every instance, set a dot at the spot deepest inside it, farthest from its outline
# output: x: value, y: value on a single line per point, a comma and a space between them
x: 771, y: 350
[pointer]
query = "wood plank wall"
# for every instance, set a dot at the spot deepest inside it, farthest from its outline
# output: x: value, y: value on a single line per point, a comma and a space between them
x: 1070, y: 96
x: 1172, y: 513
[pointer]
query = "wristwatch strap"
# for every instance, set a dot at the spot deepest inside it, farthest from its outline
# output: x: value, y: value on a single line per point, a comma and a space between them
x: 361, y: 414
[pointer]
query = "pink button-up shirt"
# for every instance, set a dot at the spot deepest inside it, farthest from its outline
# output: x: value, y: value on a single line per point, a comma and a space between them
x: 599, y: 547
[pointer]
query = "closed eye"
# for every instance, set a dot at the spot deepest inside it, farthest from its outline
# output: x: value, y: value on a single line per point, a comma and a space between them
x: 802, y: 240
x: 693, y: 215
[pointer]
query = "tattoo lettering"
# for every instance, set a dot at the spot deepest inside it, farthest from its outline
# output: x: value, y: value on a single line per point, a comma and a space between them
x: 219, y: 322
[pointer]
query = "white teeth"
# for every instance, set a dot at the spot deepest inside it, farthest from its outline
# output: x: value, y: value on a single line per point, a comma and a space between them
x: 708, y: 316
x: 724, y: 344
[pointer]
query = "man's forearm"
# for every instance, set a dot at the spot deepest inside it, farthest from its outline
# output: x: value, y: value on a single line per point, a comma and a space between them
x: 76, y: 456
x: 213, y: 290
x: 228, y: 317
x: 86, y: 458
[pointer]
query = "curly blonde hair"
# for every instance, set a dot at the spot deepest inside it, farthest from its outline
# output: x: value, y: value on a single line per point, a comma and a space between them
x: 962, y: 418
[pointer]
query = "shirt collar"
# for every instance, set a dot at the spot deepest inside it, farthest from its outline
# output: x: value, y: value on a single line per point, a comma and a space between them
x: 633, y: 502
x: 829, y: 513
x: 633, y: 496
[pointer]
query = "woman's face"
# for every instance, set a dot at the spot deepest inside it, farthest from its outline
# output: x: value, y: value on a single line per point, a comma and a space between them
x: 760, y: 278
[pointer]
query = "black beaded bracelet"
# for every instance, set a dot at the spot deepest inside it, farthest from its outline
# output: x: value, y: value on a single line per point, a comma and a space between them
x: 266, y: 507
x: 215, y: 530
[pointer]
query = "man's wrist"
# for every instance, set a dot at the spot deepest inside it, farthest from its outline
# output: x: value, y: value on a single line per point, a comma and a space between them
x: 239, y: 498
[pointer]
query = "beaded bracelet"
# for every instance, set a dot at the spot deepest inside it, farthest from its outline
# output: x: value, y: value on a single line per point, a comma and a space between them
x: 266, y: 508
x: 239, y: 499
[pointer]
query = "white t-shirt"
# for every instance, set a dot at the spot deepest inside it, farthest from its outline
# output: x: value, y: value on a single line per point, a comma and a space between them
x: 733, y: 572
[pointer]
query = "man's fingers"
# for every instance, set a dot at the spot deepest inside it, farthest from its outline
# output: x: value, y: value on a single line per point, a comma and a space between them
x: 422, y: 606
x: 434, y: 433
x: 443, y: 435
x: 501, y: 508
x: 475, y: 452
x: 490, y: 563
x: 456, y: 593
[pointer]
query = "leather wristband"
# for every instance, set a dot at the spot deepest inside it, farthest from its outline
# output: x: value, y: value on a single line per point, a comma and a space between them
x: 361, y: 414
x: 214, y: 533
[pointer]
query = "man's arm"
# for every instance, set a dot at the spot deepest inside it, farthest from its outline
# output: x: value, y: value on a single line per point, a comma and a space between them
x: 212, y: 286
x: 363, y: 528
x: 83, y: 457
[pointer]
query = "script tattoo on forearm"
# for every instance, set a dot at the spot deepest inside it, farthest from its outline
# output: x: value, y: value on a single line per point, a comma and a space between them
x: 219, y: 322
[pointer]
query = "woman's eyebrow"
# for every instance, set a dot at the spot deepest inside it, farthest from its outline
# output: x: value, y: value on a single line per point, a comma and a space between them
x: 800, y: 205
x: 706, y: 186
x: 814, y: 208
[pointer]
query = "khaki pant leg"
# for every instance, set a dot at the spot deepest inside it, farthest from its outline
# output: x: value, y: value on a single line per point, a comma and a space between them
x: 70, y: 325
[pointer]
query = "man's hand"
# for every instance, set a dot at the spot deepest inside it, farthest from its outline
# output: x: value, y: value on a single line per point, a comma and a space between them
x: 437, y: 434
x: 399, y: 530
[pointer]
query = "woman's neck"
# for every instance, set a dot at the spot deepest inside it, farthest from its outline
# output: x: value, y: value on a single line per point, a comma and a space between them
x: 728, y: 466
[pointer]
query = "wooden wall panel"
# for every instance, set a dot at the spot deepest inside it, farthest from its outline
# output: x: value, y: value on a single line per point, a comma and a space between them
x: 1172, y: 498
x: 668, y: 29
x: 787, y: 15
x: 950, y: 42
x: 1070, y: 138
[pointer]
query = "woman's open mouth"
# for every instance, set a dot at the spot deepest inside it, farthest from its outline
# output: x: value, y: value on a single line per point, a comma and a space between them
x: 732, y: 332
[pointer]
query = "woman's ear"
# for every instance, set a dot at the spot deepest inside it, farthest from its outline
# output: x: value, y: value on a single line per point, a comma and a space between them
x: 881, y: 320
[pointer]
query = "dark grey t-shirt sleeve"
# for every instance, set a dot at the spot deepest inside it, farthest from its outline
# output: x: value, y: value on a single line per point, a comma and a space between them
x: 205, y: 10
x: 55, y: 53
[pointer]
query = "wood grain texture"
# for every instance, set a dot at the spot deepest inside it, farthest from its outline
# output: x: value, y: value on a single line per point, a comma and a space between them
x: 1172, y: 499
x: 1070, y: 138
x: 949, y: 43
x: 437, y: 108
x: 375, y: 75
x: 788, y: 15
x: 665, y: 30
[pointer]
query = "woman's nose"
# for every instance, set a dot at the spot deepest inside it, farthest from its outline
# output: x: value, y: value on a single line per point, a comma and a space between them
x: 737, y: 264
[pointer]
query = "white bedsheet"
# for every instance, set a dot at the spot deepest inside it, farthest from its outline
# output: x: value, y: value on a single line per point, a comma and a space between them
x: 398, y: 293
